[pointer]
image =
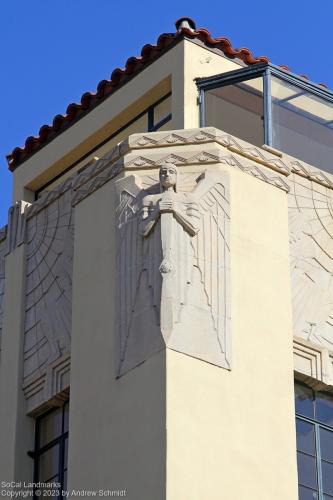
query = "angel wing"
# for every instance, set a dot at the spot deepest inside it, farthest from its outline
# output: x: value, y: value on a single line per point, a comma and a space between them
x: 212, y: 253
x: 138, y: 277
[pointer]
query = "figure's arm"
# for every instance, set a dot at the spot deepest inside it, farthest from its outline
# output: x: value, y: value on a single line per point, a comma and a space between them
x: 150, y: 215
x: 188, y: 218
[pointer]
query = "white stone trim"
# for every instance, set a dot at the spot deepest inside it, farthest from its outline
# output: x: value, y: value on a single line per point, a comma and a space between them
x: 313, y: 364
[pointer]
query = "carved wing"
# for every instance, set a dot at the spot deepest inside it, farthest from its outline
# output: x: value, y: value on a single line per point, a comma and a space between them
x: 311, y: 256
x: 212, y: 252
x: 49, y: 257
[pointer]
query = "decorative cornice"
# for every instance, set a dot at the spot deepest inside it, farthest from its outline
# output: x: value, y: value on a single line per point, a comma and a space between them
x: 148, y: 150
x: 205, y: 135
x: 48, y: 389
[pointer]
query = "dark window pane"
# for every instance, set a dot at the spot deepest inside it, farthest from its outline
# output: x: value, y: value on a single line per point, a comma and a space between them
x: 162, y: 110
x: 53, y: 479
x: 49, y: 463
x: 326, y: 444
x: 65, y: 453
x: 324, y: 408
x: 307, y: 474
x: 307, y: 494
x: 327, y: 475
x: 304, y: 401
x: 50, y: 427
x: 66, y: 417
x: 65, y: 480
x: 328, y: 497
x: 237, y: 109
x: 305, y: 437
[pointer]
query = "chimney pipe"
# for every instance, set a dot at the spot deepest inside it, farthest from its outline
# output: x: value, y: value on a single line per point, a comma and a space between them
x: 185, y: 22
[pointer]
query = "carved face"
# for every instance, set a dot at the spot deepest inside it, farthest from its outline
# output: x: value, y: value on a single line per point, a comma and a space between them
x: 168, y: 176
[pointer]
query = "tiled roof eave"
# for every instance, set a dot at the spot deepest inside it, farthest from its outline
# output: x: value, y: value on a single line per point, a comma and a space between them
x: 119, y: 77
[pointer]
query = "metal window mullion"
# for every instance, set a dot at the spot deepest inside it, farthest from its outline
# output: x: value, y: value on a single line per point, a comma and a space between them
x: 202, y: 118
x: 268, y: 129
x: 319, y: 470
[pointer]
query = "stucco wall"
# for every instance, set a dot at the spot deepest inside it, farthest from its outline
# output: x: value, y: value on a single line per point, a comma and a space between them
x: 117, y: 427
x: 231, y: 433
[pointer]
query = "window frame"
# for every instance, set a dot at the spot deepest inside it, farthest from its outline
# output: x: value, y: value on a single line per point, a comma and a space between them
x: 151, y: 127
x: 58, y: 441
x: 317, y: 426
x: 266, y: 70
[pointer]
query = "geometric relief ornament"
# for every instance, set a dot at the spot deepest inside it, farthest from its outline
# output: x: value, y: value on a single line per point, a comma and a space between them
x: 313, y: 364
x: 173, y: 275
x: 311, y: 255
x: 48, y: 296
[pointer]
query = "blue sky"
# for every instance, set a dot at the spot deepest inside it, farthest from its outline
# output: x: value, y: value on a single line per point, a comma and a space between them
x: 52, y: 52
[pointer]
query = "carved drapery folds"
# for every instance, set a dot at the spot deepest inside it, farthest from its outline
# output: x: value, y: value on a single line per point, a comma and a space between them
x: 173, y: 267
x: 311, y: 253
x: 49, y: 257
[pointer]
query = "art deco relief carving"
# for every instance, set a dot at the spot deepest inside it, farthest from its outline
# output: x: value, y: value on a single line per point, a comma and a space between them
x: 173, y: 267
x: 49, y: 255
x: 311, y: 253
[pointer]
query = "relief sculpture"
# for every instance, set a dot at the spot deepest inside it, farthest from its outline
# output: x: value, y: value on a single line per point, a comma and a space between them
x: 311, y: 254
x: 173, y: 267
x: 48, y: 304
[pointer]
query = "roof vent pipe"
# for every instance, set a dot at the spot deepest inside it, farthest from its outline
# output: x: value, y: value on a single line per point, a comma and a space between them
x: 185, y: 22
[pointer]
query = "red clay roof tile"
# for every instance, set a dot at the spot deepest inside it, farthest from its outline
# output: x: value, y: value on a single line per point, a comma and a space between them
x: 133, y: 66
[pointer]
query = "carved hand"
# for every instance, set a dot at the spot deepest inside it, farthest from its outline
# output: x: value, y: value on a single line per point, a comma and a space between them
x: 166, y: 205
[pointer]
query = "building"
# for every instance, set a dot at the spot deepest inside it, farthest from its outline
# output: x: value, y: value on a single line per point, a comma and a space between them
x: 168, y: 264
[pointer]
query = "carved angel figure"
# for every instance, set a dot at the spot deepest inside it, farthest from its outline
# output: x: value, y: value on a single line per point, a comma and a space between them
x: 173, y: 268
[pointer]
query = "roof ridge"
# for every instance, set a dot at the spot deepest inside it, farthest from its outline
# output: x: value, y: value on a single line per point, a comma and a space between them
x: 120, y: 76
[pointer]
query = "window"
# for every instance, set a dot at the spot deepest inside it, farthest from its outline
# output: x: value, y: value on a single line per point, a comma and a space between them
x: 264, y: 104
x: 238, y: 109
x: 51, y: 447
x: 314, y: 430
x: 156, y: 117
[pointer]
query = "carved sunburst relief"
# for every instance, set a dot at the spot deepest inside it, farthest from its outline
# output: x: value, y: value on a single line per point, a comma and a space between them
x: 311, y: 253
x: 49, y: 257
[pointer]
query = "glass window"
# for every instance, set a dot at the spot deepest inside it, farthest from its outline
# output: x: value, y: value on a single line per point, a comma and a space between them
x: 156, y: 117
x: 162, y: 113
x: 51, y: 450
x: 302, y: 124
x: 267, y: 105
x: 314, y: 431
x: 237, y: 109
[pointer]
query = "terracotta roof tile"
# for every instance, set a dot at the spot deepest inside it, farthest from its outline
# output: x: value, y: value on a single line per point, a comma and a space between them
x: 133, y: 66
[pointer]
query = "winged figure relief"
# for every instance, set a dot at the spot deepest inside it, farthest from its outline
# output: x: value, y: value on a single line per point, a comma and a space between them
x: 173, y: 267
x: 311, y: 255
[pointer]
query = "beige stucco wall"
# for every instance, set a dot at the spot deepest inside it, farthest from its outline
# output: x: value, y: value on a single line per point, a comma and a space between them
x: 180, y: 427
x: 231, y: 433
x: 176, y: 70
x: 16, y: 429
x: 200, y: 62
x: 129, y: 100
x: 117, y: 427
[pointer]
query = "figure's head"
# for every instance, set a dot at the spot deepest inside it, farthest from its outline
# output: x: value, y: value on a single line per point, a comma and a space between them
x: 168, y: 176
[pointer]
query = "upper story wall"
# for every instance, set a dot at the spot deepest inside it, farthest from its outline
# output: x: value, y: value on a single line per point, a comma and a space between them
x: 70, y: 151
